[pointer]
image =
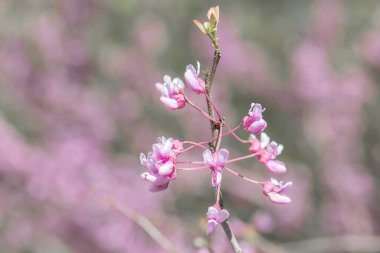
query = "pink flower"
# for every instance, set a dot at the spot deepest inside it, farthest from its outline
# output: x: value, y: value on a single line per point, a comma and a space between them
x: 160, y: 163
x: 267, y: 153
x: 274, y: 189
x: 257, y: 145
x: 216, y: 161
x: 193, y: 80
x: 215, y: 216
x: 254, y: 122
x: 172, y: 93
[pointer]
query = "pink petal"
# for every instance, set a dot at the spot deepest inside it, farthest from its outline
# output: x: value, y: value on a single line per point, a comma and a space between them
x: 191, y: 78
x: 222, y: 216
x: 283, y: 187
x: 264, y: 140
x: 148, y: 177
x: 222, y: 157
x: 256, y: 112
x: 193, y: 82
x: 166, y: 147
x: 279, y: 198
x: 276, y: 166
x: 212, y: 212
x: 257, y: 127
x: 171, y: 103
x: 191, y: 68
x: 180, y: 98
x: 207, y: 157
x: 166, y: 169
x: 216, y: 177
x: 247, y: 121
x: 142, y: 159
x: 211, y: 225
x: 167, y: 79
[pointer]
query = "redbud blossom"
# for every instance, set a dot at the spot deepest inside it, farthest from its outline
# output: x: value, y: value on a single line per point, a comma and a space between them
x: 267, y: 152
x: 216, y: 161
x: 254, y: 122
x: 274, y: 189
x: 172, y: 93
x: 160, y: 163
x: 193, y: 80
x: 215, y: 216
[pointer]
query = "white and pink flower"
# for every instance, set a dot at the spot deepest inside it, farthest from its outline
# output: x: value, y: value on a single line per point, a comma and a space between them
x: 254, y: 122
x: 161, y: 163
x: 215, y: 216
x: 193, y: 80
x: 172, y: 94
x: 216, y: 161
x: 275, y: 189
x: 266, y: 153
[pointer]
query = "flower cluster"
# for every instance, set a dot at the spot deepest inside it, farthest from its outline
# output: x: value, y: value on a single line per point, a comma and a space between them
x: 267, y: 152
x: 254, y: 122
x: 162, y: 163
x: 274, y: 189
x: 172, y: 93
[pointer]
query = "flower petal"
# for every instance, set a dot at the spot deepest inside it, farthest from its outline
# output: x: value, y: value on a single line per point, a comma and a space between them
x: 166, y: 147
x: 257, y: 126
x: 279, y: 198
x: 264, y: 140
x: 167, y: 79
x: 211, y: 225
x: 171, y: 103
x: 166, y: 169
x: 191, y: 69
x: 256, y: 112
x: 207, y: 157
x: 212, y: 212
x: 222, y: 216
x: 216, y: 177
x: 148, y: 177
x: 276, y: 166
x: 222, y: 157
x: 142, y: 159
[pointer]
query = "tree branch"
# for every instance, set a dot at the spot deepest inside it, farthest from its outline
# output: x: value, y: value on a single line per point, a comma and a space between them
x: 216, y: 131
x: 146, y: 226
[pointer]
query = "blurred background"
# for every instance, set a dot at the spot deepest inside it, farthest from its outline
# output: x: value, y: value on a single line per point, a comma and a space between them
x: 78, y: 105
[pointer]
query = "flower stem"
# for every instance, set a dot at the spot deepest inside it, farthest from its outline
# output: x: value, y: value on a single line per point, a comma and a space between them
x: 241, y: 158
x: 235, y: 135
x: 213, y: 106
x: 243, y: 177
x: 194, y: 144
x: 194, y: 168
x: 192, y: 162
x: 200, y: 110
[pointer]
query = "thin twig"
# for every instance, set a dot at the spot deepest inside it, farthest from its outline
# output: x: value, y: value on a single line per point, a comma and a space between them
x: 235, y: 135
x: 241, y: 158
x: 242, y: 176
x: 140, y: 221
x: 201, y: 111
x: 216, y: 130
